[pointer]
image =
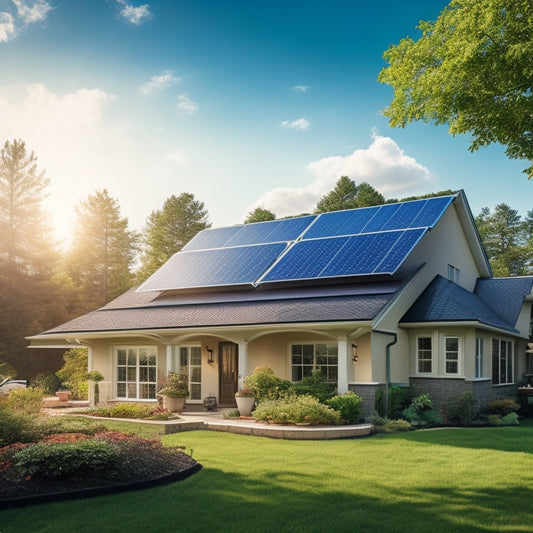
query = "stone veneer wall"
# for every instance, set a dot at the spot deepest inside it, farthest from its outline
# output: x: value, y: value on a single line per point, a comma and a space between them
x: 439, y: 389
x: 483, y: 390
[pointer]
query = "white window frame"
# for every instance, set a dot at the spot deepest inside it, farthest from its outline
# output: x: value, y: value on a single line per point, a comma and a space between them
x: 193, y: 368
x: 129, y: 373
x: 426, y: 359
x: 307, y: 365
x: 499, y: 346
x: 480, y: 346
x: 453, y: 274
x: 452, y: 357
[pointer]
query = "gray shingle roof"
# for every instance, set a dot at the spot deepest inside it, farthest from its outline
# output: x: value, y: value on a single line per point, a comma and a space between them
x: 127, y: 313
x: 445, y: 301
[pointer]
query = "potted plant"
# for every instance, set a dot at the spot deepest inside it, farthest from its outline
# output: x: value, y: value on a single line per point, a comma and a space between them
x: 175, y: 391
x: 245, y: 399
x: 63, y: 393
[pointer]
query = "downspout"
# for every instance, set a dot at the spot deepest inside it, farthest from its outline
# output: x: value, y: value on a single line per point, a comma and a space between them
x: 387, y: 368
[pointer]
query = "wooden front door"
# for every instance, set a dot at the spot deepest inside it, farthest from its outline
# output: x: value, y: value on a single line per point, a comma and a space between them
x: 229, y: 372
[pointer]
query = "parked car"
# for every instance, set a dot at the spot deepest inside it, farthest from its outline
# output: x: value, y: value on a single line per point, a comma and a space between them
x: 8, y: 385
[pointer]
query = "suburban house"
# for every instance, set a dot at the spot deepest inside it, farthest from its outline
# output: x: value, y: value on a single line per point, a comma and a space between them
x: 395, y: 294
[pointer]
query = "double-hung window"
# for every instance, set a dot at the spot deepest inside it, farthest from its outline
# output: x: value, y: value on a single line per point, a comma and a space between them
x: 307, y: 357
x: 452, y: 355
x: 424, y: 355
x: 502, y: 361
x: 191, y: 363
x: 136, y: 372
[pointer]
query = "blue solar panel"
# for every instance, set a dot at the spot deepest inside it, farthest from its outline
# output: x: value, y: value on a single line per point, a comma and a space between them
x: 340, y: 223
x: 272, y: 231
x: 211, y: 238
x: 209, y: 268
x: 400, y: 250
x: 404, y: 216
x: 384, y: 214
x: 361, y: 255
x: 431, y: 212
x: 306, y: 259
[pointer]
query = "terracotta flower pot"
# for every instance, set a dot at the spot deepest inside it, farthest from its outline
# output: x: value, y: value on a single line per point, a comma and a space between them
x: 63, y: 395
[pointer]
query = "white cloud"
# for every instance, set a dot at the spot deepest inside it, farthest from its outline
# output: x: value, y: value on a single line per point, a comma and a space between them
x: 7, y: 27
x: 298, y: 124
x: 186, y: 105
x: 34, y: 12
x: 176, y: 158
x: 301, y: 88
x: 160, y: 82
x: 383, y: 165
x: 135, y: 15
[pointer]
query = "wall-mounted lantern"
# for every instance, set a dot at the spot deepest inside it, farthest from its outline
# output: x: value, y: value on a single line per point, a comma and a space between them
x: 210, y: 359
x: 355, y: 355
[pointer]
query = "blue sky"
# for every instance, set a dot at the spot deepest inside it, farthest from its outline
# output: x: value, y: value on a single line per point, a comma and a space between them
x: 242, y: 103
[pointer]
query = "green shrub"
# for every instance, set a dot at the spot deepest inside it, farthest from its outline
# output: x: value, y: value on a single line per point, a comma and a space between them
x: 296, y: 409
x: 130, y: 410
x: 503, y: 406
x: 423, y: 402
x: 376, y: 419
x: 510, y: 419
x: 315, y: 385
x: 68, y: 424
x: 392, y: 426
x: 459, y: 408
x: 396, y: 401
x: 420, y: 412
x: 265, y: 384
x: 49, y: 383
x: 16, y: 426
x: 49, y: 460
x: 73, y: 373
x: 494, y: 420
x: 348, y: 405
x: 27, y: 401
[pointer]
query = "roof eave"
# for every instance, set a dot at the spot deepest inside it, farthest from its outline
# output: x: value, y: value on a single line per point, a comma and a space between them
x: 462, y: 324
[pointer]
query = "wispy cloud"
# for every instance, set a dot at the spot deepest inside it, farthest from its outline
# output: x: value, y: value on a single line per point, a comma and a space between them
x: 7, y: 27
x: 32, y: 11
x: 299, y: 124
x: 384, y: 165
x: 176, y: 158
x: 301, y: 88
x: 160, y: 82
x: 135, y: 15
x: 186, y: 105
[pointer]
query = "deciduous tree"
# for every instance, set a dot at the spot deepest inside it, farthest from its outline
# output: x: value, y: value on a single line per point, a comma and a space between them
x: 259, y: 215
x: 348, y: 195
x: 471, y: 69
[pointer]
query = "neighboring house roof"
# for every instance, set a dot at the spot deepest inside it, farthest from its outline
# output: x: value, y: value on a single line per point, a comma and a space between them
x: 134, y: 311
x: 445, y: 301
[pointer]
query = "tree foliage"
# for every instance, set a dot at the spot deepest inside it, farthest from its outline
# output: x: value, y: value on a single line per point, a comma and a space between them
x: 168, y: 230
x: 101, y: 259
x: 471, y: 69
x: 348, y: 195
x: 259, y: 215
x: 503, y: 235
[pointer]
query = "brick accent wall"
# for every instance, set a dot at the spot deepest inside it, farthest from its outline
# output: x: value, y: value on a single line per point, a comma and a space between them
x: 368, y: 394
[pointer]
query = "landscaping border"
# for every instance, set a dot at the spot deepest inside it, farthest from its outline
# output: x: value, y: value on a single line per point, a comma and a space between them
x: 105, y: 490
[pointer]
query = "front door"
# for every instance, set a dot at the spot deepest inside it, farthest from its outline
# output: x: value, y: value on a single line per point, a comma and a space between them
x: 229, y: 372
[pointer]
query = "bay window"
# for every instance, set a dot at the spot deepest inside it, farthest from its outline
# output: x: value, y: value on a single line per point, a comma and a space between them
x: 502, y: 361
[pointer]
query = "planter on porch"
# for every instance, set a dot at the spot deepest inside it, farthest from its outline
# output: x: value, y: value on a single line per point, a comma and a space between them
x: 175, y: 392
x: 245, y: 401
x: 174, y: 405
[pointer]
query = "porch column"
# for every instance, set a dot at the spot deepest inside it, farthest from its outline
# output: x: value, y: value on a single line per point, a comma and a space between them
x: 90, y: 368
x: 243, y: 362
x: 169, y: 358
x: 343, y: 354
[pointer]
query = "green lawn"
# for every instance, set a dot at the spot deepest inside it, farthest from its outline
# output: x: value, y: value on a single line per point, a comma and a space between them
x: 457, y: 480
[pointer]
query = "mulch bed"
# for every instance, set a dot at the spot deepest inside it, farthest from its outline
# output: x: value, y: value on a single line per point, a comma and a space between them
x: 155, y: 467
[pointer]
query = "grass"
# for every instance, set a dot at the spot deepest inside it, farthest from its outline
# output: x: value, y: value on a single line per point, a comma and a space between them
x: 457, y: 480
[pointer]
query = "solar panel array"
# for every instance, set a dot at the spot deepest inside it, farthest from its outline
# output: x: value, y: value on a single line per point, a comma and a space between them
x: 356, y: 242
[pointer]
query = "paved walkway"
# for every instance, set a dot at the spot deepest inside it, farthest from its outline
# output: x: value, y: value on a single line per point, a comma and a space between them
x: 215, y: 421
